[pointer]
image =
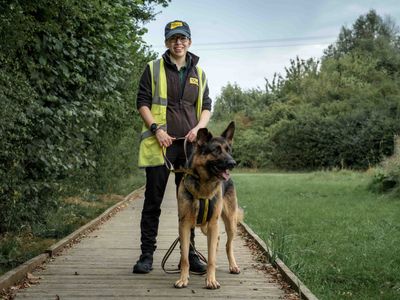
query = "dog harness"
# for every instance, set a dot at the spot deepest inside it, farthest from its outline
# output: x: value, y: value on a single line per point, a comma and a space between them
x: 206, y: 210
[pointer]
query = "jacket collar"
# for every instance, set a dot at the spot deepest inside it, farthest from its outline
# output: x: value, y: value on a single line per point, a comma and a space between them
x: 190, y: 57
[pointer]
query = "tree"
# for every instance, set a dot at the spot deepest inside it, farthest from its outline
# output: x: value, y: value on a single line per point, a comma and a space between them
x: 369, y: 33
x: 68, y: 72
x: 230, y: 101
x: 340, y: 112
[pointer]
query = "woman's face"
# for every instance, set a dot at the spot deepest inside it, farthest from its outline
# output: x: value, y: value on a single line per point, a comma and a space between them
x: 178, y: 45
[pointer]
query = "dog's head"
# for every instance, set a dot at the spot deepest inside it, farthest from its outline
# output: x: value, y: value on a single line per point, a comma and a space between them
x: 213, y: 155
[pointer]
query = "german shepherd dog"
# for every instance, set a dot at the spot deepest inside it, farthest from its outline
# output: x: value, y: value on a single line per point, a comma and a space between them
x: 208, y: 177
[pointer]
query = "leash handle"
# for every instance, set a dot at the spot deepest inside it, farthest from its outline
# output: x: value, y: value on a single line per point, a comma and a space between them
x: 167, y: 162
x: 168, y: 254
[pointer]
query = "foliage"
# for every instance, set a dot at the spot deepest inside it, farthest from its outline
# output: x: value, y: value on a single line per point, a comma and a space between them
x: 342, y: 111
x: 68, y: 76
x: 387, y: 174
x: 312, y: 143
x: 71, y: 213
x: 233, y: 100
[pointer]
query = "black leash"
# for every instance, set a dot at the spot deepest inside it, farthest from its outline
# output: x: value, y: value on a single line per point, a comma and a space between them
x: 171, y: 168
x: 177, y: 270
x: 169, y: 164
x: 167, y: 255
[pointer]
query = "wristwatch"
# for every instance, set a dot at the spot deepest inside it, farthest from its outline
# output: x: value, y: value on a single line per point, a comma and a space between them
x: 153, y: 128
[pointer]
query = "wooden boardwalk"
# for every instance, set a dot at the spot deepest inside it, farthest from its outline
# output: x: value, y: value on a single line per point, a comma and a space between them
x: 100, y: 266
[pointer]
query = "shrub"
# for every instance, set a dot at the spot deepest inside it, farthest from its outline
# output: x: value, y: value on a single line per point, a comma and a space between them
x: 68, y: 76
x: 350, y: 141
x: 387, y: 175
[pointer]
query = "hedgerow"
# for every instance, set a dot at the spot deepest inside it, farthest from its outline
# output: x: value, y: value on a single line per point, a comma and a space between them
x: 68, y: 78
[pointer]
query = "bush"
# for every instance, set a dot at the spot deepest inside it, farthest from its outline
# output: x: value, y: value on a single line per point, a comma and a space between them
x: 68, y: 76
x: 387, y: 175
x: 22, y: 196
x: 355, y: 141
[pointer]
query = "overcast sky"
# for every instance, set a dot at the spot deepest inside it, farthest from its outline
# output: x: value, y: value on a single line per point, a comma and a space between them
x: 247, y: 41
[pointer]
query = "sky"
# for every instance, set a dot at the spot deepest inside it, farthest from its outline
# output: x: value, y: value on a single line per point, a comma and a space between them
x: 244, y: 42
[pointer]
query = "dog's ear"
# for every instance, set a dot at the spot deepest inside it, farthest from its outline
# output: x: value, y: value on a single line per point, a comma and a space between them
x: 229, y: 132
x: 203, y: 136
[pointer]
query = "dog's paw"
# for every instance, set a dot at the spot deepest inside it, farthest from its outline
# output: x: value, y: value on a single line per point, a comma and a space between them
x: 234, y: 270
x: 212, y: 284
x: 181, y: 283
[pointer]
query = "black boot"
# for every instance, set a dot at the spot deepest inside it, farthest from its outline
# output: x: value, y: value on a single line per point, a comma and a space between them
x: 196, y: 266
x: 144, y: 264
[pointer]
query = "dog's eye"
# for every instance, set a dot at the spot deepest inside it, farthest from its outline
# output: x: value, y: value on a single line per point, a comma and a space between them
x: 217, y: 150
x: 228, y: 149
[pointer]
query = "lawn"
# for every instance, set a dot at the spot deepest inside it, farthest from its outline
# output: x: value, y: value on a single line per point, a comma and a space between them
x: 341, y: 239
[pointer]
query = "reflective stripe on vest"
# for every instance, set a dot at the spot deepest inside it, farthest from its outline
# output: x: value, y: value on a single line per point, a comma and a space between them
x: 150, y: 152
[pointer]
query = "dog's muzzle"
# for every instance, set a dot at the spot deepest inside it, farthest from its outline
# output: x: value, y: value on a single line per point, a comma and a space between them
x: 231, y: 164
x: 221, y: 168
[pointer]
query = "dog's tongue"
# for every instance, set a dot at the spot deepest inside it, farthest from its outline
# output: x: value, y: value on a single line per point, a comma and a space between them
x: 225, y: 174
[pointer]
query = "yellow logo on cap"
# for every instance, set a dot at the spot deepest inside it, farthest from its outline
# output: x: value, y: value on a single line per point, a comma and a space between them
x: 176, y: 24
x: 193, y: 80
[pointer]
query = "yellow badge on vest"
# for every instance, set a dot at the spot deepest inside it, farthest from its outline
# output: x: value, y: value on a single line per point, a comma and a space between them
x: 176, y: 24
x: 193, y: 80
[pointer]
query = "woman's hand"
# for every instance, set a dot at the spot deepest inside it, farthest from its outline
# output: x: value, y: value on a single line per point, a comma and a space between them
x: 164, y: 139
x: 192, y: 134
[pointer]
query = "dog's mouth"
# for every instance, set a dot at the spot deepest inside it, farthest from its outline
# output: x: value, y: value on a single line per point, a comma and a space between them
x: 224, y: 175
x: 222, y: 171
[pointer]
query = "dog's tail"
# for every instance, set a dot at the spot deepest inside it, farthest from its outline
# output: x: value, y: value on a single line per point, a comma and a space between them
x: 240, y: 214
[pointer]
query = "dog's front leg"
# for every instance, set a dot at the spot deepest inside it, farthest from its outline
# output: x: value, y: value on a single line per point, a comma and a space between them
x: 212, y: 243
x: 184, y: 237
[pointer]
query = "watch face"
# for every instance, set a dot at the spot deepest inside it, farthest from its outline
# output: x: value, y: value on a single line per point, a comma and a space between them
x: 153, y: 127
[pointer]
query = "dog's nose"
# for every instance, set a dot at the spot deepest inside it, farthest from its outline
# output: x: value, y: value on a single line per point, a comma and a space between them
x: 231, y: 164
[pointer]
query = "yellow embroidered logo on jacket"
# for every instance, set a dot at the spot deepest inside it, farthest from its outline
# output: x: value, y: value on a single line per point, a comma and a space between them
x: 193, y: 80
x: 176, y: 24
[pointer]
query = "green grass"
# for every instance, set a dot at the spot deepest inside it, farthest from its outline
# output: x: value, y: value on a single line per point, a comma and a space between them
x: 342, y: 240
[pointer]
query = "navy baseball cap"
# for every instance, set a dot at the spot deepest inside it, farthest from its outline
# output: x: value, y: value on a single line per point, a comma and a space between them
x: 177, y: 27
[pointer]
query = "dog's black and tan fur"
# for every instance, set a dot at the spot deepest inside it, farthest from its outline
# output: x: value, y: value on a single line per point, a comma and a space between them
x: 208, y: 177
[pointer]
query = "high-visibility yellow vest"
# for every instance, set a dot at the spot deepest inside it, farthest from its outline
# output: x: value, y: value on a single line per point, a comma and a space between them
x: 150, y: 151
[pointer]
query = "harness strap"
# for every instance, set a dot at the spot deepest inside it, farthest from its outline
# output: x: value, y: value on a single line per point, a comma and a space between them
x: 202, y: 217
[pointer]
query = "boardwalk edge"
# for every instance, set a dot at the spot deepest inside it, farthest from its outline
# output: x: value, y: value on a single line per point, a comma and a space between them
x: 16, y: 275
x: 287, y: 274
x: 19, y: 273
